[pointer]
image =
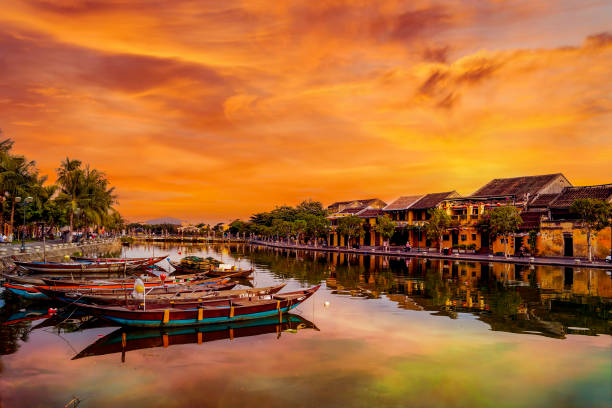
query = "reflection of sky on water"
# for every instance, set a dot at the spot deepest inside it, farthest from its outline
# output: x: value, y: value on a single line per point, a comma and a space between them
x: 368, y: 353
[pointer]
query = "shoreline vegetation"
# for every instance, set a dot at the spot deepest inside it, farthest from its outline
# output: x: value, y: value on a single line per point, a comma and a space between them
x: 79, y: 203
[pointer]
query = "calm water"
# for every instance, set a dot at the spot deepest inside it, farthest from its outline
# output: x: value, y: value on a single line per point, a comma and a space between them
x: 379, y: 333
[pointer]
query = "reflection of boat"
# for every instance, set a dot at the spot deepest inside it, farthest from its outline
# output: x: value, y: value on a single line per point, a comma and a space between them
x: 233, y: 310
x: 211, y: 272
x: 25, y: 291
x: 26, y: 316
x: 123, y: 340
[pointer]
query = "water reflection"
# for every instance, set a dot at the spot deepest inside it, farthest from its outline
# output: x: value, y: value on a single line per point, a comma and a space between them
x: 543, y: 300
x: 124, y: 340
x: 393, y: 333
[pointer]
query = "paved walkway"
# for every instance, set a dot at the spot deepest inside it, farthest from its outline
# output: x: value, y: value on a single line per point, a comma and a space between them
x: 573, y: 262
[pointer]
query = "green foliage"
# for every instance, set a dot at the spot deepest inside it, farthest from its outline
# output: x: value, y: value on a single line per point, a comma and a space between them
x: 352, y: 226
x: 438, y: 223
x: 595, y: 214
x: 385, y: 226
x: 505, y: 220
x: 238, y: 227
x: 533, y: 241
x: 82, y: 196
x: 306, y: 220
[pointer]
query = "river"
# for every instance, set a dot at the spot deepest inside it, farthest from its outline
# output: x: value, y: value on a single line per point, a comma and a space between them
x: 381, y: 332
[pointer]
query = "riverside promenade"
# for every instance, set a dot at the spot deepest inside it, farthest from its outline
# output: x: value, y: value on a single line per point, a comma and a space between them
x: 394, y: 252
x: 54, y: 250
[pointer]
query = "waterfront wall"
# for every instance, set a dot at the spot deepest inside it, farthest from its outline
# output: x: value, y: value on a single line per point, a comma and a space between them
x: 56, y: 252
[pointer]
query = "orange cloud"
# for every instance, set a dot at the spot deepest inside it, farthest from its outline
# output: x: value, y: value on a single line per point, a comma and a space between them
x: 209, y: 111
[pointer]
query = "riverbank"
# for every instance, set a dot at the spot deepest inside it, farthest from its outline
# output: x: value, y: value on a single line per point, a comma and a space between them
x: 570, y: 262
x: 190, y: 240
x: 55, y: 251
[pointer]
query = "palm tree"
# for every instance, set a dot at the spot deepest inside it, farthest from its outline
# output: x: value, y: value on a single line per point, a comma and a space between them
x: 70, y: 182
x: 17, y: 174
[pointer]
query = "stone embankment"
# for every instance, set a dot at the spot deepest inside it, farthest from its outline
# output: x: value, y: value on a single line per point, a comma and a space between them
x: 189, y: 239
x: 55, y: 251
x: 572, y: 262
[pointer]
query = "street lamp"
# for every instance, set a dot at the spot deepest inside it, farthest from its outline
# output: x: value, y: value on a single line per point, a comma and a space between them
x: 27, y: 201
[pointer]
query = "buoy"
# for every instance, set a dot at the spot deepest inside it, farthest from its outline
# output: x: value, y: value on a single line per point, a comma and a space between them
x: 162, y: 276
x: 52, y: 311
x: 326, y: 303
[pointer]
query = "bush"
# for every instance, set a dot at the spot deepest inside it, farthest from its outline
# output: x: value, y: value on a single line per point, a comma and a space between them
x: 471, y: 246
x: 499, y: 254
x: 462, y: 246
x: 455, y: 246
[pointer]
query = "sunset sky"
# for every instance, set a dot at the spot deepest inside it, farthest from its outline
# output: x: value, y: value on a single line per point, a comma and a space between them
x: 212, y: 110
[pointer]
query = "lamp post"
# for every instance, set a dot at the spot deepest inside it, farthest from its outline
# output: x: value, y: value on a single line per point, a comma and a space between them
x: 27, y: 201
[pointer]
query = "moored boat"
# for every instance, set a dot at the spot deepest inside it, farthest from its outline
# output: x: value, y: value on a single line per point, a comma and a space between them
x: 210, y: 272
x: 182, y: 299
x: 233, y: 310
x: 75, y: 268
x: 140, y: 261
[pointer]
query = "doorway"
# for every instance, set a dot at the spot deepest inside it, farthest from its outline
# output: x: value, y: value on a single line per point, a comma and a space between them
x: 568, y: 245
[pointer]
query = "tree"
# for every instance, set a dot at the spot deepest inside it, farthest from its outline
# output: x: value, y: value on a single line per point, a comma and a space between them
x: 16, y: 175
x: 299, y: 227
x: 311, y: 207
x: 70, y: 181
x: 533, y: 242
x: 385, y: 227
x: 595, y: 216
x: 316, y: 226
x: 504, y: 221
x: 351, y: 226
x: 437, y: 225
x: 237, y: 227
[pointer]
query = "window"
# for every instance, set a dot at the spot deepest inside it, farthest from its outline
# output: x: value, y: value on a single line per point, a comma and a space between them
x: 445, y: 237
x: 464, y: 237
x: 473, y: 237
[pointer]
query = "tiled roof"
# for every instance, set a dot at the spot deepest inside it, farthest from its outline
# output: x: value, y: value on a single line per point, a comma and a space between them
x: 402, y: 203
x: 432, y: 200
x: 543, y: 200
x: 516, y: 186
x: 351, y: 210
x: 370, y: 212
x: 531, y: 220
x: 362, y: 203
x: 570, y: 194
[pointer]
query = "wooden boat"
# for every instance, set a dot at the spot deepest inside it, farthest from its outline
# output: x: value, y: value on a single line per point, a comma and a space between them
x: 210, y: 272
x: 23, y: 279
x: 141, y: 261
x: 183, y: 299
x: 28, y: 291
x: 69, y: 295
x: 124, y: 340
x: 75, y: 268
x: 126, y: 281
x: 233, y: 310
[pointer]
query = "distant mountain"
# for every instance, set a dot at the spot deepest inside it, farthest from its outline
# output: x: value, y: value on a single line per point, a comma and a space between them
x: 164, y: 220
